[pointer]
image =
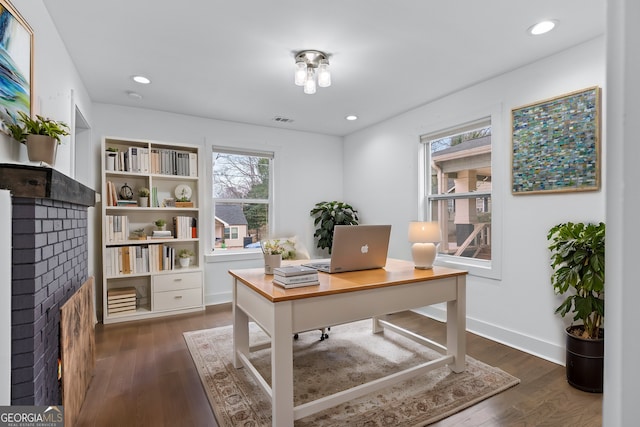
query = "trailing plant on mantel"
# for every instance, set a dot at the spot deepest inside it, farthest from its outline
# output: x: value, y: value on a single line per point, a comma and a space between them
x: 327, y: 216
x: 577, y: 259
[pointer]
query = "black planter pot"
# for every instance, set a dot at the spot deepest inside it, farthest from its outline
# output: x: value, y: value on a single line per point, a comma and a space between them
x: 585, y: 362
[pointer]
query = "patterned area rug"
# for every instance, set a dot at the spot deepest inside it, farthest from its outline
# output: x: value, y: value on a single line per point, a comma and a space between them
x: 352, y: 355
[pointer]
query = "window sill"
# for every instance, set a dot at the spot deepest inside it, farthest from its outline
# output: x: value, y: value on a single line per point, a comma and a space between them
x: 479, y: 268
x: 224, y: 256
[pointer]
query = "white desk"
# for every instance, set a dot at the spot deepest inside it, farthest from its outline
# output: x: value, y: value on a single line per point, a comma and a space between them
x: 341, y: 298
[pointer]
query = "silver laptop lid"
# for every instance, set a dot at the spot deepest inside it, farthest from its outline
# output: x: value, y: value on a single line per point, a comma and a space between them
x: 359, y: 247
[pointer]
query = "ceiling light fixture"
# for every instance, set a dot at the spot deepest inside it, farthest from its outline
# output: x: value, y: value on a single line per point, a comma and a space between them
x: 351, y: 117
x: 542, y: 27
x: 141, y: 79
x: 312, y: 65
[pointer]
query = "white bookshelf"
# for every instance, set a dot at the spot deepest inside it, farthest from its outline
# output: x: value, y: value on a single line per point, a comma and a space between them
x: 131, y: 257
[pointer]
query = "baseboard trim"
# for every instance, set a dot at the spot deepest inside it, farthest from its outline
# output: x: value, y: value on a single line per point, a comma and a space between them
x: 531, y: 345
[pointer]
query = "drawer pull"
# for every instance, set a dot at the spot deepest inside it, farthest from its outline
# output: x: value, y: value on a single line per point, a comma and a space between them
x: 178, y: 297
x: 177, y: 280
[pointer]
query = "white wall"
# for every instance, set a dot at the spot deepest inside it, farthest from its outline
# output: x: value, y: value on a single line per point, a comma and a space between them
x: 308, y: 169
x: 57, y: 86
x: 381, y: 180
x: 622, y: 372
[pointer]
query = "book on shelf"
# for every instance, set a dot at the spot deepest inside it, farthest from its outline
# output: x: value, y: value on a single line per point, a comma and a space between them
x: 162, y: 234
x: 185, y: 227
x: 117, y: 228
x: 123, y: 260
x: 294, y: 270
x: 295, y: 285
x: 129, y: 203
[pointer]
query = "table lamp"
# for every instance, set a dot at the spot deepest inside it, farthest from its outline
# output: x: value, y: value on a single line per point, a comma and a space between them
x: 424, y: 236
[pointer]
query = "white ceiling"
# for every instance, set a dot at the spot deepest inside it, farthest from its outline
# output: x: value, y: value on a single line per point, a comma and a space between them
x: 233, y: 59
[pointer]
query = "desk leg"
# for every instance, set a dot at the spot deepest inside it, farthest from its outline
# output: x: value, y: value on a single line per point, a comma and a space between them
x: 240, y: 329
x: 457, y: 325
x: 282, y: 366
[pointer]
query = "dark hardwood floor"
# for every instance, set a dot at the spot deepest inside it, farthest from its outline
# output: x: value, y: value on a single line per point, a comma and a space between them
x: 144, y: 376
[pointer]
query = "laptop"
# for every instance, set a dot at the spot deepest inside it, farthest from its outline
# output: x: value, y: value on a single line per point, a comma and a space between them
x: 356, y: 247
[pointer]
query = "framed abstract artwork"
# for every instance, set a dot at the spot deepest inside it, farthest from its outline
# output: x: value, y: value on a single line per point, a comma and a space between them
x: 556, y: 144
x: 16, y: 63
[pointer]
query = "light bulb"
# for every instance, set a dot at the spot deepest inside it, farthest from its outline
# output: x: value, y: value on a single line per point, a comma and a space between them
x: 310, y: 82
x: 324, y: 76
x: 300, y: 73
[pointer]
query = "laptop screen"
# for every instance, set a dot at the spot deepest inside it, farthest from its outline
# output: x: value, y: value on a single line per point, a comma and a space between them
x: 357, y: 247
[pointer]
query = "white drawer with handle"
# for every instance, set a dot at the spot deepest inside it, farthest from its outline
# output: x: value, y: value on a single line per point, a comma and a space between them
x: 174, y: 300
x: 175, y: 281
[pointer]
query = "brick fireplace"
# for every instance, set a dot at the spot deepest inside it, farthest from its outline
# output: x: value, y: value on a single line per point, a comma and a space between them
x: 49, y: 264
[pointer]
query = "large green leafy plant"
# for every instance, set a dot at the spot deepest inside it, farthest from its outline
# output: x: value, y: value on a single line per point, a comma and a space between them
x: 25, y: 125
x: 577, y: 260
x: 327, y: 216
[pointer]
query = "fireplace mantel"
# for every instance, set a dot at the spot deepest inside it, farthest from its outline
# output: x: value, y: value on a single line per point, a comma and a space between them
x: 49, y: 263
x: 44, y: 183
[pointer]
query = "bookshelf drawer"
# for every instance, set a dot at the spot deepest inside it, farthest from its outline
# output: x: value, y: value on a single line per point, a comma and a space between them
x: 173, y: 300
x: 177, y: 281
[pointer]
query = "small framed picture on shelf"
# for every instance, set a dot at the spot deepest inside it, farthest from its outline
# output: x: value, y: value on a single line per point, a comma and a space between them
x: 169, y: 203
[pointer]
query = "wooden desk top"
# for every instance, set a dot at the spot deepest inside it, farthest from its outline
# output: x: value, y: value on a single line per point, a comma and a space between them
x: 395, y: 272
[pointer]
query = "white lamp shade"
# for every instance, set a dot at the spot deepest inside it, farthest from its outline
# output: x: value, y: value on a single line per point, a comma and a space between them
x: 424, y: 232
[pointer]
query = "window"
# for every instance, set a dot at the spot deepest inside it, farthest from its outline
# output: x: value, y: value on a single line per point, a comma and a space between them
x: 242, y: 198
x: 458, y: 187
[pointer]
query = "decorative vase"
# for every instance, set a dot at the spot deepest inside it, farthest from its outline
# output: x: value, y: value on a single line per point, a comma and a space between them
x: 585, y: 363
x: 271, y: 262
x: 42, y: 148
x: 143, y: 202
x: 111, y: 161
x: 162, y: 227
x: 185, y: 262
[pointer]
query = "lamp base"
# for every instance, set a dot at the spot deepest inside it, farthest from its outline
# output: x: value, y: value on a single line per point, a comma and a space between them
x: 423, y: 255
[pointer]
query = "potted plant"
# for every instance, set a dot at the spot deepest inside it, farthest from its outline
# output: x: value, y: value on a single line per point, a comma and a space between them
x: 41, y: 136
x: 272, y: 250
x: 143, y: 197
x: 184, y: 257
x: 327, y: 216
x: 112, y: 153
x: 161, y: 224
x: 578, y: 263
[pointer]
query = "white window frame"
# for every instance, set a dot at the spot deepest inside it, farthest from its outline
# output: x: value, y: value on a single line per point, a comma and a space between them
x: 491, y: 269
x: 221, y: 256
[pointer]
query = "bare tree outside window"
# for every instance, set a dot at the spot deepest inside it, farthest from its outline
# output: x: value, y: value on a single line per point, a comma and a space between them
x: 241, y: 195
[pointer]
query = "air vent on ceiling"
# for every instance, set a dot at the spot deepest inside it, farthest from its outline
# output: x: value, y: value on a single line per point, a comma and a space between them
x: 281, y: 119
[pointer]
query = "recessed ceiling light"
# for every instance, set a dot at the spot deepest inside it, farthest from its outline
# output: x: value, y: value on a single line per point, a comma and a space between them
x: 141, y: 79
x: 351, y: 117
x: 542, y: 27
x: 134, y: 95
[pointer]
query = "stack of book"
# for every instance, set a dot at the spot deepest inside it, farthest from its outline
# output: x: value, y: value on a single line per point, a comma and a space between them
x: 295, y: 276
x: 121, y: 300
x: 161, y: 234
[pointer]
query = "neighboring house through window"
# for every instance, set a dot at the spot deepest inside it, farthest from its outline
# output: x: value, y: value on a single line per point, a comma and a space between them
x: 458, y: 191
x: 242, y: 201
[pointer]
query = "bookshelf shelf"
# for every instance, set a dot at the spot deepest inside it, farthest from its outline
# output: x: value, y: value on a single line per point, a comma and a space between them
x: 149, y: 266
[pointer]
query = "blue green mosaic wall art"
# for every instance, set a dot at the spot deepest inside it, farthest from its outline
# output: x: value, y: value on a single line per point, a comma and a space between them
x: 556, y: 144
